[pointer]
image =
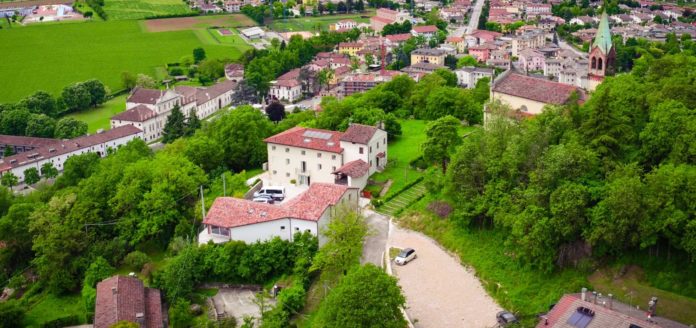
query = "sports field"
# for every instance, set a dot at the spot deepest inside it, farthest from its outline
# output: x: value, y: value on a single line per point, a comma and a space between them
x: 49, y: 57
x: 130, y: 9
x: 312, y: 23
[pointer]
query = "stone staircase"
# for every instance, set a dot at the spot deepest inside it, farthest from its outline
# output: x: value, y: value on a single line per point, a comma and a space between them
x: 405, y: 199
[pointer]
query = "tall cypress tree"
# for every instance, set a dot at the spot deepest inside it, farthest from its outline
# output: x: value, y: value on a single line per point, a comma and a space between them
x: 175, y: 127
x: 193, y: 123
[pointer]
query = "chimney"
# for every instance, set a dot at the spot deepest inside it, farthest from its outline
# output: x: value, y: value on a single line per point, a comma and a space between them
x: 583, y: 294
x: 594, y: 297
x: 611, y: 301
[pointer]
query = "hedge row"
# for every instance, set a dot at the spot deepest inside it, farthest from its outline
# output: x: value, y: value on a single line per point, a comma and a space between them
x: 191, y: 14
x: 404, y: 188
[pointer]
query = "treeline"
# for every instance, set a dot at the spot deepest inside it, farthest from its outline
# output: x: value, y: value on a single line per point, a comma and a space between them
x: 98, y: 7
x: 257, y: 13
x: 264, y: 66
x: 39, y: 115
x: 614, y: 175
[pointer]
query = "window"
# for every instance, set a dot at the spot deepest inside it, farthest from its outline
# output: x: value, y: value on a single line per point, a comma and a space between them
x: 370, y: 149
x: 275, y: 172
x: 282, y: 227
x: 333, y: 169
x: 297, y: 229
x: 333, y: 157
x: 318, y: 166
x: 272, y: 147
x: 318, y: 155
x: 377, y: 144
x: 360, y: 150
x: 287, y: 150
x: 287, y: 161
x: 287, y: 174
x: 308, y: 230
x: 303, y: 152
x: 220, y: 230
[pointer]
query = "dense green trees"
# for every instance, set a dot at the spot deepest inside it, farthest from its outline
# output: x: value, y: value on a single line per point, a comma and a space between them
x: 610, y: 176
x: 68, y: 128
x: 366, y: 297
x: 175, y: 127
x: 345, y: 234
x: 442, y: 139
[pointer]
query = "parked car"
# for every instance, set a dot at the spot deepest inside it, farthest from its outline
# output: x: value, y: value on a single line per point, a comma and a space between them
x: 264, y: 199
x: 406, y: 255
x: 278, y: 193
x: 505, y: 318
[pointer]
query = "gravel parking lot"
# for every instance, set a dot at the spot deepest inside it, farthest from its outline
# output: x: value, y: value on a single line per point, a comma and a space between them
x: 439, y: 291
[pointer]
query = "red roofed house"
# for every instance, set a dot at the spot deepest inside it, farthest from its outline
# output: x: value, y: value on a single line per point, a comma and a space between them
x: 122, y: 298
x: 395, y: 40
x: 427, y: 31
x: 288, y: 86
x: 457, y: 42
x: 244, y: 220
x: 385, y: 16
x: 529, y: 95
x: 305, y: 156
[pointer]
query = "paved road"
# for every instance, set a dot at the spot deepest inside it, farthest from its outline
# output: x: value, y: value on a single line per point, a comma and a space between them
x: 439, y: 291
x: 374, y: 246
x: 565, y: 45
x: 474, y: 19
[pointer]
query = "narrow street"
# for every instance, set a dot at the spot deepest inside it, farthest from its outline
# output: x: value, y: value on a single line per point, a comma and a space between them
x: 474, y: 19
x: 378, y: 232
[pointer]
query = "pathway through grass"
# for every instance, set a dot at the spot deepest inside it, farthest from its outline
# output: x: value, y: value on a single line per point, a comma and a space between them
x: 405, y: 199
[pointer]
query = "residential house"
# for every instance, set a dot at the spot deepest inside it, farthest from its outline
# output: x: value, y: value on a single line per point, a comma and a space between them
x: 531, y: 60
x: 19, y: 144
x: 287, y: 87
x: 537, y: 9
x: 428, y: 55
x: 350, y: 48
x: 122, y: 298
x: 362, y: 82
x: 385, y: 16
x: 58, y: 153
x: 529, y: 95
x: 482, y: 52
x: 343, y: 25
x: 530, y: 40
x: 468, y: 76
x: 483, y: 36
x: 396, y: 40
x: 234, y: 72
x: 244, y: 220
x: 426, y: 31
x: 457, y: 42
x: 304, y: 156
x: 233, y: 6
x: 582, y: 20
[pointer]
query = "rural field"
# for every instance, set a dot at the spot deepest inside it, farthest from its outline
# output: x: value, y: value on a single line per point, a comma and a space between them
x: 197, y: 22
x: 49, y: 57
x: 129, y: 9
x: 312, y: 23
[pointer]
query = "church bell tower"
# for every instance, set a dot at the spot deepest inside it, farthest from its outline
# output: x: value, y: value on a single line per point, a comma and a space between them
x: 602, y: 54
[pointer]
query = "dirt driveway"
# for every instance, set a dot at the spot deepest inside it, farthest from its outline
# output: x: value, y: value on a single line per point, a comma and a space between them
x: 439, y: 291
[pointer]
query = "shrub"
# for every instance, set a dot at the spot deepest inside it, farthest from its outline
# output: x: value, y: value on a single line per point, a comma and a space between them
x: 11, y: 314
x: 440, y: 209
x: 71, y: 320
x: 419, y: 163
x: 136, y: 260
x: 292, y: 299
x: 176, y: 71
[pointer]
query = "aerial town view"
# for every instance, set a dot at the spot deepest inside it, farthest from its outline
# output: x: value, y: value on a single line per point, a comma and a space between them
x: 348, y: 163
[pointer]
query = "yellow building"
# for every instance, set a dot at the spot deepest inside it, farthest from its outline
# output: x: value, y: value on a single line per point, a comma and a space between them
x: 350, y: 48
x: 424, y: 55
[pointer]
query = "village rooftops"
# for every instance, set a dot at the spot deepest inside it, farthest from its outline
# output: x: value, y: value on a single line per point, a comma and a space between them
x: 399, y: 37
x: 229, y: 212
x: 121, y: 298
x: 26, y: 141
x: 317, y: 139
x: 67, y: 146
x: 536, y: 89
x: 140, y: 113
x: 145, y: 96
x: 425, y: 29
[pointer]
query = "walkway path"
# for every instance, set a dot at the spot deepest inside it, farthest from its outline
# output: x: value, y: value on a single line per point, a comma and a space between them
x: 403, y: 200
x: 474, y: 18
x: 439, y: 291
x: 374, y: 245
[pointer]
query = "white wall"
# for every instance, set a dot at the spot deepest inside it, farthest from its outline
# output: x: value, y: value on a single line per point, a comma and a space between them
x: 285, y: 166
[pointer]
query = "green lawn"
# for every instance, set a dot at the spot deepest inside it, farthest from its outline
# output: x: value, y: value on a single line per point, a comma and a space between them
x: 99, y: 118
x: 49, y: 57
x: 138, y: 9
x: 310, y: 23
x: 49, y: 307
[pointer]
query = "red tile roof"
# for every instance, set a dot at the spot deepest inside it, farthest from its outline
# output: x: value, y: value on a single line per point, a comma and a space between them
x: 359, y: 133
x: 540, y: 90
x: 138, y: 113
x: 26, y: 141
x: 354, y: 169
x: 125, y: 298
x: 145, y: 96
x: 231, y: 212
x: 382, y: 19
x: 399, y: 37
x: 455, y: 39
x: 317, y: 139
x: 350, y: 45
x: 425, y: 29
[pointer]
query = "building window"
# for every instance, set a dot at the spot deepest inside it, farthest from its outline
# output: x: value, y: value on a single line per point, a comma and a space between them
x: 282, y: 227
x: 318, y: 155
x: 333, y: 156
x: 308, y: 230
x: 360, y: 150
x: 303, y: 152
x: 318, y: 166
x: 272, y: 147
x: 333, y: 169
x: 287, y: 150
x: 275, y: 172
x: 287, y: 174
x: 287, y: 161
x: 370, y: 149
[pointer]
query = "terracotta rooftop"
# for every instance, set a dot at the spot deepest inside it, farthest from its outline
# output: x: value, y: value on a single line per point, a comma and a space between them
x: 138, y: 113
x: 145, y: 96
x: 425, y: 29
x: 382, y: 19
x: 26, y: 141
x: 67, y: 146
x: 122, y: 298
x: 540, y: 90
x: 399, y: 37
x: 354, y: 169
x: 359, y: 133
x: 231, y: 212
x: 317, y: 139
x: 620, y: 315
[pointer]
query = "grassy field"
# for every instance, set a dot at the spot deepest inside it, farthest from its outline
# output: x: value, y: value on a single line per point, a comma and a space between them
x: 99, y: 118
x: 197, y: 22
x: 49, y: 307
x: 130, y: 9
x: 311, y: 23
x: 42, y: 57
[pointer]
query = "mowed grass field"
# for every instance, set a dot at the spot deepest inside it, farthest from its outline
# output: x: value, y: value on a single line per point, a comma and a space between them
x: 50, y: 57
x: 100, y: 118
x: 132, y: 9
x: 311, y: 23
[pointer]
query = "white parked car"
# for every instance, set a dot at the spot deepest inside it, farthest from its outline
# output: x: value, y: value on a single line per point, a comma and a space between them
x: 406, y: 255
x: 278, y: 193
x: 264, y: 199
